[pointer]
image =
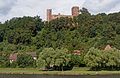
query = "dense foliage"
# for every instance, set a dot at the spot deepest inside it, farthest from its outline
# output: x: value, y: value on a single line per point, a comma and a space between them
x: 25, y: 60
x: 4, y: 61
x: 31, y: 34
x: 100, y: 59
x: 56, y: 59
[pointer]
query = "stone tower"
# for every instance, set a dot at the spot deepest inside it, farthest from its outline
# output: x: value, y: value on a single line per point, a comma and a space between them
x: 75, y: 11
x: 49, y: 14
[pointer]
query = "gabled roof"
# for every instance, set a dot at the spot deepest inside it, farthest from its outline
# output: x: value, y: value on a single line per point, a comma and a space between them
x: 108, y: 47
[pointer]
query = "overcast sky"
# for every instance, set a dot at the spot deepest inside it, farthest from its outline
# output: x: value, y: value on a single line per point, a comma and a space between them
x: 19, y: 8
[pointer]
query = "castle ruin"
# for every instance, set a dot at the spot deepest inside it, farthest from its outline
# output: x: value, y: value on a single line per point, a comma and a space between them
x: 74, y: 12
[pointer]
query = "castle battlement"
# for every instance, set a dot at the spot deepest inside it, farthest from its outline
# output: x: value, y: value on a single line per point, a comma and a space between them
x: 74, y: 12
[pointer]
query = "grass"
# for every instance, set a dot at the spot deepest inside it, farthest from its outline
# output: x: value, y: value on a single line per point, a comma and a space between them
x: 75, y: 71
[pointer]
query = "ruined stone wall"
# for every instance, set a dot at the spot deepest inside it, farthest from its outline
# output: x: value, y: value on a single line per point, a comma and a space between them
x: 74, y: 10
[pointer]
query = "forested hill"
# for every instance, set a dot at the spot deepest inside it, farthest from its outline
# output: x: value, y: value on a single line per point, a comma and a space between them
x: 28, y: 34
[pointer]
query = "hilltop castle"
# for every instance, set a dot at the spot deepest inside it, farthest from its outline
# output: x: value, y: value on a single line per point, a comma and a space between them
x: 50, y: 16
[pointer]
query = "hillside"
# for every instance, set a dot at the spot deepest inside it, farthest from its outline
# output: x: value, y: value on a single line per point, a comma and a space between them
x: 31, y: 34
x: 79, y: 33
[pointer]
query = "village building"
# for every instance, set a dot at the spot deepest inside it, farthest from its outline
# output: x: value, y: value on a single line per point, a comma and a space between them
x: 107, y: 48
x: 13, y: 57
x: 76, y: 52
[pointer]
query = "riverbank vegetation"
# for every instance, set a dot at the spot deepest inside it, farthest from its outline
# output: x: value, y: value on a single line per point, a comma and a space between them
x: 54, y: 42
x: 75, y: 71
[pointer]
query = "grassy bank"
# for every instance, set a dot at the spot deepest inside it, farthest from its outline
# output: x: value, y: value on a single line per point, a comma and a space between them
x: 75, y: 71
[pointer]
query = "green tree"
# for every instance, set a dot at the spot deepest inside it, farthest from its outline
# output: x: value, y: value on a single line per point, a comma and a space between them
x: 4, y: 61
x: 84, y: 11
x: 50, y: 58
x: 103, y: 59
x: 25, y: 60
x: 46, y: 57
x: 62, y: 58
x: 93, y: 58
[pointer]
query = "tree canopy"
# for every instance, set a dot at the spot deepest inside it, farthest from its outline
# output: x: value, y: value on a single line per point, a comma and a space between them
x: 32, y: 34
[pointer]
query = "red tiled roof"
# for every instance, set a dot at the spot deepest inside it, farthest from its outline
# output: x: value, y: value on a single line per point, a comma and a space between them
x: 76, y: 52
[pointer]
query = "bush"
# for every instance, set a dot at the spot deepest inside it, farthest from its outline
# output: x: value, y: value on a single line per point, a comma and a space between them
x: 25, y: 60
x: 4, y: 61
x: 13, y: 64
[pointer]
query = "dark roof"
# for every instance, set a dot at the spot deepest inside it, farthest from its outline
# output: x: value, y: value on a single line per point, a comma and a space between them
x: 33, y: 54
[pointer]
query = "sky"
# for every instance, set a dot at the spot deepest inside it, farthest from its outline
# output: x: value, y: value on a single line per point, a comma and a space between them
x: 19, y: 8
